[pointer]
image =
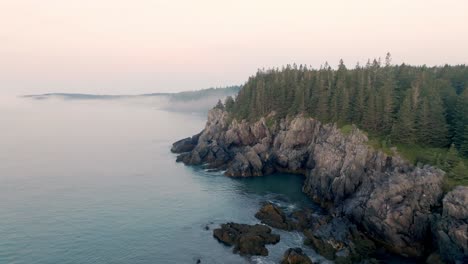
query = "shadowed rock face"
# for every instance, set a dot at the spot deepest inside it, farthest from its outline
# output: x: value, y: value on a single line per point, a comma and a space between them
x: 451, y: 228
x: 246, y: 239
x: 387, y: 197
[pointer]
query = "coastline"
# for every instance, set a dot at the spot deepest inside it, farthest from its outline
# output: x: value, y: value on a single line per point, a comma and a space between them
x: 397, y: 205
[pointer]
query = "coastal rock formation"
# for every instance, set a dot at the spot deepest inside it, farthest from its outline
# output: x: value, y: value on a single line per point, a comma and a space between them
x: 451, y: 228
x: 246, y: 239
x: 334, y: 238
x: 391, y: 200
x: 295, y: 256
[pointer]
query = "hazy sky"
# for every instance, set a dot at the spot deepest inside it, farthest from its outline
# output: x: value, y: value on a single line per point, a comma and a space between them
x: 136, y: 46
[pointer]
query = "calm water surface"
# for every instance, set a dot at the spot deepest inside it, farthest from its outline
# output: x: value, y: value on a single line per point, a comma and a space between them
x: 95, y: 182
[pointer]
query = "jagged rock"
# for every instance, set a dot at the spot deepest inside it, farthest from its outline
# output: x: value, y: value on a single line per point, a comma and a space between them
x: 387, y: 197
x: 295, y: 256
x: 398, y: 209
x: 304, y: 218
x: 185, y: 145
x: 246, y: 239
x: 273, y: 216
x: 339, y: 240
x: 451, y: 228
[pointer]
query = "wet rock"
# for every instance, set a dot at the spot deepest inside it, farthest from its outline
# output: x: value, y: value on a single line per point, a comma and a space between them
x: 451, y: 228
x: 246, y: 239
x: 273, y: 216
x: 295, y: 256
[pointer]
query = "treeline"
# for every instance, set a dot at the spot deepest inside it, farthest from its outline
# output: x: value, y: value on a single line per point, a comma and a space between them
x: 200, y: 94
x: 401, y: 104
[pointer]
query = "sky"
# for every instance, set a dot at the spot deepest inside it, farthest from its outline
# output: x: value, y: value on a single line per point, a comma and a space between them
x: 141, y: 46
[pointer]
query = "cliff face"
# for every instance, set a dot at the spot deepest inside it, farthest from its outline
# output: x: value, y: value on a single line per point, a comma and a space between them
x: 390, y: 199
x: 450, y: 229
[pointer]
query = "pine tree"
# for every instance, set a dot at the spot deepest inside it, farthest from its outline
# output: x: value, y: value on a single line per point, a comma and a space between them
x: 403, y: 130
x: 461, y: 120
x: 229, y: 103
x: 387, y: 98
x: 464, y: 144
x: 432, y: 126
x: 370, y: 118
x: 322, y: 100
x: 451, y: 158
x: 459, y: 171
x: 219, y: 105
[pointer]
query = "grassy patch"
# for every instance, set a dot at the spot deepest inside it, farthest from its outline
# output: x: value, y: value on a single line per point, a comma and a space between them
x: 346, y: 129
x: 454, y: 165
x: 425, y: 155
x: 380, y: 144
x: 270, y: 122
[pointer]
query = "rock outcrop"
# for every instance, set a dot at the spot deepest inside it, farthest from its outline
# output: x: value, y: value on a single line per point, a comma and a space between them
x: 246, y: 239
x: 335, y: 238
x: 451, y: 228
x: 391, y: 200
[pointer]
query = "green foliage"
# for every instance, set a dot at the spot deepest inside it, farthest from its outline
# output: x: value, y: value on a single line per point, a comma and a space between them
x: 423, y: 110
x: 420, y: 154
x: 380, y: 144
x: 346, y: 129
x: 219, y: 105
x: 458, y: 175
x: 200, y: 94
x: 447, y: 159
x: 229, y: 103
x: 270, y: 122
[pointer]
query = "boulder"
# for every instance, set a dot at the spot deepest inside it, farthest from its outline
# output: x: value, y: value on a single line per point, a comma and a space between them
x: 246, y: 239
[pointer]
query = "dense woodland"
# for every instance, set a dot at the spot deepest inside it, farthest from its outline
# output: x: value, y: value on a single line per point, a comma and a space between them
x: 400, y: 105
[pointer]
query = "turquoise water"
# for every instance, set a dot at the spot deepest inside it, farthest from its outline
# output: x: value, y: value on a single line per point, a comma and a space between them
x: 95, y: 182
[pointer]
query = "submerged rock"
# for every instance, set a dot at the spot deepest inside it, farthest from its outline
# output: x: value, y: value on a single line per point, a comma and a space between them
x: 295, y: 256
x: 246, y: 239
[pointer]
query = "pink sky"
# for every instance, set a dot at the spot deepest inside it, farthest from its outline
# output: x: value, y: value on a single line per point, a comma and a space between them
x: 138, y: 46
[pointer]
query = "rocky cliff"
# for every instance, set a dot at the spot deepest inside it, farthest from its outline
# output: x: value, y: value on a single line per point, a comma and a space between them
x: 391, y: 200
